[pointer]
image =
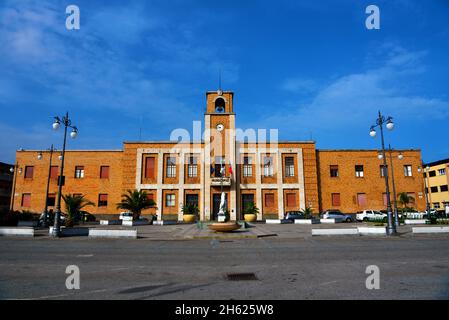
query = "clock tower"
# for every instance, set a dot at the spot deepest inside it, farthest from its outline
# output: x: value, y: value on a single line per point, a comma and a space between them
x: 219, y: 154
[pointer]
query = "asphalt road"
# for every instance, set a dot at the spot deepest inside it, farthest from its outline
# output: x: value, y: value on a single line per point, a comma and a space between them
x: 314, y: 268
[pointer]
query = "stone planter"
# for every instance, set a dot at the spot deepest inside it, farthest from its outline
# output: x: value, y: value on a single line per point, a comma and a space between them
x: 224, y: 226
x: 250, y: 217
x: 189, y: 218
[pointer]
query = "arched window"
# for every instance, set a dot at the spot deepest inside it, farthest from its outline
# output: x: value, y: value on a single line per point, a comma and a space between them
x: 219, y: 105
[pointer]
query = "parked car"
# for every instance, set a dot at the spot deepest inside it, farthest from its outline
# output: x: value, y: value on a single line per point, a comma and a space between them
x: 367, y: 215
x: 337, y: 215
x: 126, y: 216
x: 293, y: 215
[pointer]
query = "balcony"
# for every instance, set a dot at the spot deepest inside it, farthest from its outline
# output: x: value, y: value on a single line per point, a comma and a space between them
x: 217, y: 182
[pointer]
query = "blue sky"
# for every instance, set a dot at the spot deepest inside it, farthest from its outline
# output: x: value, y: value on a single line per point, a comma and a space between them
x: 310, y: 69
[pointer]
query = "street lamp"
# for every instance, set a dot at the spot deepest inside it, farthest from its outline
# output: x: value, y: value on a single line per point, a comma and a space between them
x: 388, y: 122
x: 39, y: 157
x: 56, y: 125
x: 395, y: 201
x: 14, y: 170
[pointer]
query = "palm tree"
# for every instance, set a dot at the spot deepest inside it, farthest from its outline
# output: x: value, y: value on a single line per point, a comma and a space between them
x: 190, y: 208
x: 405, y: 199
x: 251, y: 208
x: 73, y: 205
x: 308, y: 212
x: 135, y: 201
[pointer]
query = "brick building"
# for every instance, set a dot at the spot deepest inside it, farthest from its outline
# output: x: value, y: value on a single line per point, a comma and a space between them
x: 277, y: 177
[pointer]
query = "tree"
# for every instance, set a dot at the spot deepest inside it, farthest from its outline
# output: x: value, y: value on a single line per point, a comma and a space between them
x: 405, y: 199
x: 135, y: 201
x: 251, y: 208
x: 73, y: 205
x: 308, y: 212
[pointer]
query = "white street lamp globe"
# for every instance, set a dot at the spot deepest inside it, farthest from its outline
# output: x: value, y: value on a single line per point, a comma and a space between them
x: 11, y: 169
x: 380, y: 156
x: 400, y: 156
x: 56, y: 125
x: 390, y: 125
x: 60, y: 157
x: 372, y: 133
x: 73, y: 134
x: 427, y: 168
x: 39, y: 156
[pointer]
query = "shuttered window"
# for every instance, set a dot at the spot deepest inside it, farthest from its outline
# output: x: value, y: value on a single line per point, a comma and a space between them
x: 29, y: 172
x: 336, y: 199
x: 54, y: 171
x: 149, y: 168
x: 291, y: 199
x: 269, y: 200
x: 361, y: 199
x: 104, y: 172
x: 26, y: 200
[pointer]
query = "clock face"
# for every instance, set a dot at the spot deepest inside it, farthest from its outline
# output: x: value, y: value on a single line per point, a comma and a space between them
x: 220, y: 127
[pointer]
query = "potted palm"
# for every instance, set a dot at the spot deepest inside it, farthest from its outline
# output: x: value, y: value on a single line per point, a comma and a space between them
x: 190, y: 212
x: 73, y: 205
x: 250, y: 212
x: 135, y: 201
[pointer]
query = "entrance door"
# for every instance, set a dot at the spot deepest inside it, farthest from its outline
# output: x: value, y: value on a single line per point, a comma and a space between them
x: 216, y: 205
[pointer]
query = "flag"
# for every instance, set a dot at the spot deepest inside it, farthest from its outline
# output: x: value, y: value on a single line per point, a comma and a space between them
x: 230, y: 169
x: 212, y: 170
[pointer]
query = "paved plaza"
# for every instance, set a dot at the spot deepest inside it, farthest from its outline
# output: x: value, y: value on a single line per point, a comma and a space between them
x: 290, y: 265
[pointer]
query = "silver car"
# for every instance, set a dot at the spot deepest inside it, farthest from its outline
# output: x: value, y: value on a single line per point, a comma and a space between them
x: 337, y: 215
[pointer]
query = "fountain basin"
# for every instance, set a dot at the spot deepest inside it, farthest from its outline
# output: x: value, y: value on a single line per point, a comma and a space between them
x: 224, y: 226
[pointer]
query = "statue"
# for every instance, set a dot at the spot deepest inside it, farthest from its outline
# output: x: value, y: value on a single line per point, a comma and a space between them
x: 222, y: 211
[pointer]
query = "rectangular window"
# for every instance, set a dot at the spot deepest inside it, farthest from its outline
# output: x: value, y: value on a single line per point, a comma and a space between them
x: 29, y: 172
x: 359, y: 171
x: 247, y: 167
x: 382, y: 170
x: 334, y: 171
x: 170, y: 200
x: 291, y: 199
x: 268, y: 166
x: 54, y: 172
x: 171, y: 167
x: 269, y: 200
x: 361, y: 199
x: 192, y: 168
x: 26, y: 200
x: 149, y: 167
x: 434, y: 189
x: 246, y: 200
x: 79, y: 172
x: 289, y: 166
x: 51, y: 200
x: 442, y: 172
x: 104, y: 172
x: 443, y: 188
x: 192, y: 199
x: 102, y: 200
x: 336, y: 200
x: 408, y: 170
x: 436, y: 205
x: 432, y: 173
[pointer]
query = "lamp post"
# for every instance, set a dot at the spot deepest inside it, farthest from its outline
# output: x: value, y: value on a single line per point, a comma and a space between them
x: 429, y: 196
x: 395, y: 201
x: 14, y: 170
x: 388, y: 122
x: 39, y: 157
x: 67, y: 124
